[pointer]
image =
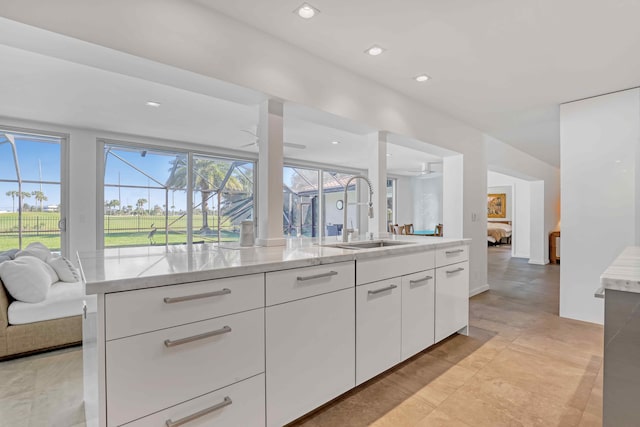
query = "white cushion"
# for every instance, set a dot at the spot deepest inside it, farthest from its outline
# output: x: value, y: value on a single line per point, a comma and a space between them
x: 35, y: 249
x: 26, y: 278
x: 64, y: 269
x: 64, y: 300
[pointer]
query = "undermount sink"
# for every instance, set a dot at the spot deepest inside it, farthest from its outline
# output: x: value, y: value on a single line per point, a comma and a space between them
x: 368, y: 244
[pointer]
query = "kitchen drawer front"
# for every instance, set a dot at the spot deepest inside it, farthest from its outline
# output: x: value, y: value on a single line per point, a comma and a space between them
x: 452, y: 255
x: 145, y: 375
x: 297, y: 283
x: 418, y: 312
x: 145, y: 310
x: 240, y: 404
x: 385, y: 267
x: 378, y: 328
x: 452, y: 299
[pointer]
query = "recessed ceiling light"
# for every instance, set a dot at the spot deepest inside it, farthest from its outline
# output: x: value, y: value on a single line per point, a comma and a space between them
x: 153, y: 104
x: 335, y: 142
x: 306, y: 11
x: 389, y: 154
x: 374, y: 50
x: 618, y: 161
x: 422, y: 78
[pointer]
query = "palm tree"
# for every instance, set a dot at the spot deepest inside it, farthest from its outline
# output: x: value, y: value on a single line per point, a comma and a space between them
x: 40, y: 197
x: 139, y: 204
x: 113, y: 204
x: 208, y: 175
x: 13, y: 194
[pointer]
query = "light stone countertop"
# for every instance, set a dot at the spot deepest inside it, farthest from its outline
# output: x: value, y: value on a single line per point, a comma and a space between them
x: 124, y: 269
x: 624, y: 273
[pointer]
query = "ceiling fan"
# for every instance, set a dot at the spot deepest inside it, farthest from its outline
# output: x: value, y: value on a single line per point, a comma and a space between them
x: 426, y: 169
x: 255, y: 142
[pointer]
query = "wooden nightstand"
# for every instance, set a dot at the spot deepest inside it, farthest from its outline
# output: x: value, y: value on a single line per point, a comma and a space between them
x: 554, y: 247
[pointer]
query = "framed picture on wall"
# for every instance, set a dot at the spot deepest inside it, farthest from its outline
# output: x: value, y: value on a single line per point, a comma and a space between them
x: 497, y: 205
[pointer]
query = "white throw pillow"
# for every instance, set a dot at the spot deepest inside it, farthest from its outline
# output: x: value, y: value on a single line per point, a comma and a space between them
x: 35, y: 249
x: 26, y: 278
x: 64, y: 269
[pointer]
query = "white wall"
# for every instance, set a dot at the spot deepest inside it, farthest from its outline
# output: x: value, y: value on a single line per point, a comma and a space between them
x: 404, y: 200
x: 427, y: 206
x: 521, y: 211
x: 600, y: 217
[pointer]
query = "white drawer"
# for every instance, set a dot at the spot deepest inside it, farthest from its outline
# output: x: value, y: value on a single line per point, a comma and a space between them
x: 289, y: 285
x: 240, y: 404
x: 452, y: 255
x: 145, y: 310
x: 385, y: 267
x: 145, y: 373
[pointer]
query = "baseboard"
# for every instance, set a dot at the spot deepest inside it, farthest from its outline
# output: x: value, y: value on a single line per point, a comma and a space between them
x: 538, y: 261
x: 479, y: 290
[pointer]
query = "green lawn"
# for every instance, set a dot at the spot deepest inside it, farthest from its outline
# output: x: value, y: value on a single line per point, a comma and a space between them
x: 120, y: 230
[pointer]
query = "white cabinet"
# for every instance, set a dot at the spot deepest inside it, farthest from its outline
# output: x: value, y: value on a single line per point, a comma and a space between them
x: 310, y: 342
x: 145, y: 310
x: 452, y: 299
x: 240, y: 404
x: 378, y: 327
x: 153, y: 371
x: 370, y: 270
x: 418, y: 310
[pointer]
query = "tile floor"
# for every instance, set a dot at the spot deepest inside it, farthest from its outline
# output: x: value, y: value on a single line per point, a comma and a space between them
x: 521, y: 365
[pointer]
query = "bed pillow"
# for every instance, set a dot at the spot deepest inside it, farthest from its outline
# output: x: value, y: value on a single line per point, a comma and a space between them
x: 27, y: 278
x: 35, y: 249
x: 64, y: 269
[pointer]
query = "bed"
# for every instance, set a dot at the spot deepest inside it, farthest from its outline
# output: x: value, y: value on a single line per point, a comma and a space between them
x: 498, y: 231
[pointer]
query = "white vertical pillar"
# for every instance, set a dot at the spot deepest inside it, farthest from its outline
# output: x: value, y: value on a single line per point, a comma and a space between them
x: 452, y: 197
x: 270, y: 143
x: 377, y: 174
x: 539, y: 240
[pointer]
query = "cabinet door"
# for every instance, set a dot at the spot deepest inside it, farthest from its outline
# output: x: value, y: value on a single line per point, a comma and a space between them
x: 452, y: 299
x: 418, y: 312
x: 378, y: 326
x: 310, y: 354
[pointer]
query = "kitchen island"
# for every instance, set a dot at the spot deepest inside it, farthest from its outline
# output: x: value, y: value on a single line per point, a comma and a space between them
x: 224, y: 335
x: 621, y: 387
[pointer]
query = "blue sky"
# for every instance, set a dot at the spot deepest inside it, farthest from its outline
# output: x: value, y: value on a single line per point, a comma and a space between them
x: 30, y: 153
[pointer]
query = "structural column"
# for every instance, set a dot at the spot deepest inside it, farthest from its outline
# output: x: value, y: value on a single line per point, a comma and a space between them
x: 377, y: 171
x: 270, y: 144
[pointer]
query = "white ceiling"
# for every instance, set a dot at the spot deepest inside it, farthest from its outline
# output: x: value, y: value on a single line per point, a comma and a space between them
x: 45, y: 89
x: 503, y: 66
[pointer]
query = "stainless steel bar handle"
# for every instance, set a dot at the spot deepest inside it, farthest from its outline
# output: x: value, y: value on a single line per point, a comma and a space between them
x: 387, y: 288
x: 455, y: 271
x: 599, y: 293
x: 317, y: 276
x: 424, y: 279
x: 173, y: 300
x: 454, y: 252
x: 226, y: 402
x: 173, y: 343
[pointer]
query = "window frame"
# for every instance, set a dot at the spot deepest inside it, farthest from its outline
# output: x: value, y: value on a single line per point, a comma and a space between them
x: 63, y: 138
x: 190, y: 151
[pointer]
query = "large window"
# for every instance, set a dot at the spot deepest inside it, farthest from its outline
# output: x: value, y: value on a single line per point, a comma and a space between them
x: 30, y: 190
x: 146, y: 196
x: 300, y: 194
x: 391, y: 200
x: 302, y: 212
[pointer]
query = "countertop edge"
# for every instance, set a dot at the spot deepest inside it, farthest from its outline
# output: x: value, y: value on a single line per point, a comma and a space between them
x: 137, y: 283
